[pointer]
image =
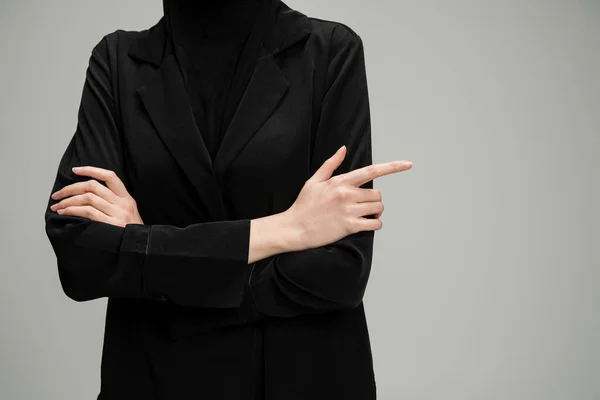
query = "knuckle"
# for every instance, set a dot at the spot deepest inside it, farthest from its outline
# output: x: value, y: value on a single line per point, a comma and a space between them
x: 91, y: 185
x: 334, y: 180
x: 340, y: 193
x: 88, y: 198
x: 333, y: 195
x: 331, y: 190
x: 130, y: 204
x: 343, y: 193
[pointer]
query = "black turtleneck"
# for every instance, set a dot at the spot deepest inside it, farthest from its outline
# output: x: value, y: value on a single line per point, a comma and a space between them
x: 217, y: 43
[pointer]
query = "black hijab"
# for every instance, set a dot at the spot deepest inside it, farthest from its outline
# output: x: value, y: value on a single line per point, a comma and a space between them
x: 217, y: 44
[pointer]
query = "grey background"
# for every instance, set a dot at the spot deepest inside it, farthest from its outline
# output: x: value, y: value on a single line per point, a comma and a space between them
x: 486, y: 276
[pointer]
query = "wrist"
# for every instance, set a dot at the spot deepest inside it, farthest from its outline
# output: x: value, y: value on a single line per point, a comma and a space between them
x: 290, y: 231
x: 274, y: 234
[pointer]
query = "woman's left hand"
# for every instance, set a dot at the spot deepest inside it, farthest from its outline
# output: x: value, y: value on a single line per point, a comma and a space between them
x: 111, y: 204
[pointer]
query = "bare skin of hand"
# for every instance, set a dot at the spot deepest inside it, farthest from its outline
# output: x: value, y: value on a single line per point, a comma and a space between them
x: 111, y: 204
x: 326, y: 210
x: 331, y: 208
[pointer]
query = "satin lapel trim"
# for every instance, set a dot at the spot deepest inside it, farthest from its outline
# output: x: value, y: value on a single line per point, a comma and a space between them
x: 165, y: 98
x: 265, y: 90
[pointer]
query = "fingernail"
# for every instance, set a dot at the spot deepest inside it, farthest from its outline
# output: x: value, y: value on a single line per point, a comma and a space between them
x: 74, y: 168
x: 59, y: 211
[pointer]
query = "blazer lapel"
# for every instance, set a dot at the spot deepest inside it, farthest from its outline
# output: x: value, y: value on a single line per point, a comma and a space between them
x: 164, y: 96
x: 163, y: 93
x: 265, y: 90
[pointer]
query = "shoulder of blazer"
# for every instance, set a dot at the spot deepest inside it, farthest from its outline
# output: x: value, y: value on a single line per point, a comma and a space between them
x: 328, y: 28
x: 331, y: 37
x: 114, y: 43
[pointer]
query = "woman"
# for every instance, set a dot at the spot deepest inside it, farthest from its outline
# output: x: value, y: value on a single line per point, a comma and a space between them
x: 218, y: 191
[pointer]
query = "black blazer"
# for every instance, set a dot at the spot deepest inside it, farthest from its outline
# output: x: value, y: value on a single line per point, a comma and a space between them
x: 187, y: 316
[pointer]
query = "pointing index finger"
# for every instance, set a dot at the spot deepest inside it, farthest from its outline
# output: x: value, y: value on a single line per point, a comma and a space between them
x: 360, y: 176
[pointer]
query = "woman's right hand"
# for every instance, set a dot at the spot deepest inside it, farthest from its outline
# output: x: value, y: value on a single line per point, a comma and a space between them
x: 331, y: 208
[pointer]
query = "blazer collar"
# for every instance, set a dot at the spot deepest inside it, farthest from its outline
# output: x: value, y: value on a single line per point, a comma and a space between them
x: 291, y: 26
x: 162, y: 91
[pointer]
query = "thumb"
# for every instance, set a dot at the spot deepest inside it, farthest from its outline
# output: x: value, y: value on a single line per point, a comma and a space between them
x: 330, y: 165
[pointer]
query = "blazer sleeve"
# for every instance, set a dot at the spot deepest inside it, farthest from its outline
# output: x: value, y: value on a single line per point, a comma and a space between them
x: 202, y: 265
x: 334, y: 276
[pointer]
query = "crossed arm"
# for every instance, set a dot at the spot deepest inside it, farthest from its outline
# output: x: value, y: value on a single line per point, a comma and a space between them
x: 289, y: 265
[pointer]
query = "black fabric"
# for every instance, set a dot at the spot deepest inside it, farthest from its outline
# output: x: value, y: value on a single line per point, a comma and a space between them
x: 187, y: 316
x: 216, y: 45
